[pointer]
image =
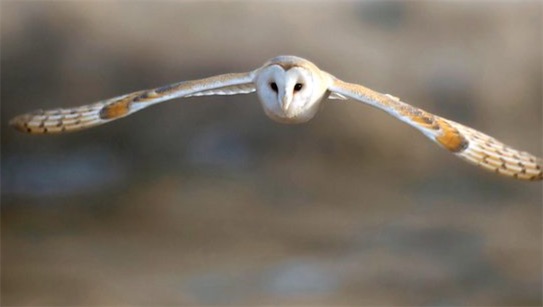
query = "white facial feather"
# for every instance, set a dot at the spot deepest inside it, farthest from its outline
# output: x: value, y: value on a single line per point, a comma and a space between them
x: 291, y: 90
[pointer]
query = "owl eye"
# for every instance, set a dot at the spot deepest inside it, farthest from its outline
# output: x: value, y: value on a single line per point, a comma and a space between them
x: 298, y: 87
x: 273, y: 86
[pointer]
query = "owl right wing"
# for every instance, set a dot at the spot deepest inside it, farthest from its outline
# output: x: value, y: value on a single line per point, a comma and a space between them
x: 86, y: 116
x: 467, y: 143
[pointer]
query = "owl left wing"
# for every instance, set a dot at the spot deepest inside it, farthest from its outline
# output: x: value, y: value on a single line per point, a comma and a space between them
x: 467, y: 143
x: 86, y: 116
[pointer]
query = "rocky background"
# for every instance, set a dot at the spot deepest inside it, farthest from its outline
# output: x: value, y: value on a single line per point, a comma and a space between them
x: 205, y: 201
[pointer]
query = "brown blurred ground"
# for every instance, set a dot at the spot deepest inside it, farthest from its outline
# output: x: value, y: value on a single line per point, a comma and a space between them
x: 207, y: 202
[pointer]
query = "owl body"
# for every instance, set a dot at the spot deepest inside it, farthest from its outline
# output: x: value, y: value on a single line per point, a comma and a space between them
x: 292, y: 90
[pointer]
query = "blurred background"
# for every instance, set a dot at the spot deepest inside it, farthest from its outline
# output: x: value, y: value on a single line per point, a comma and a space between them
x: 206, y: 201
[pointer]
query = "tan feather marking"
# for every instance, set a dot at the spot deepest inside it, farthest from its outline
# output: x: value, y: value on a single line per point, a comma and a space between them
x: 450, y: 137
x: 505, y: 171
x: 493, y: 162
x: 534, y: 171
x: 515, y: 168
x: 116, y: 109
x: 424, y: 120
x: 52, y: 123
x: 69, y: 121
x: 487, y: 166
x: 287, y: 66
x: 148, y: 95
x: 417, y: 115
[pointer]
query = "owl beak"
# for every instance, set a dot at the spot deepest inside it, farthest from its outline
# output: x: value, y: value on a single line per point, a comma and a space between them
x: 285, y: 102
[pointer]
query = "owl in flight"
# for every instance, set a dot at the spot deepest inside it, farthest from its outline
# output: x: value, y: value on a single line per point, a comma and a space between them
x: 291, y: 90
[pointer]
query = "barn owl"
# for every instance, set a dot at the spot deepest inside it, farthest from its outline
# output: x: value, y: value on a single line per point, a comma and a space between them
x: 291, y: 90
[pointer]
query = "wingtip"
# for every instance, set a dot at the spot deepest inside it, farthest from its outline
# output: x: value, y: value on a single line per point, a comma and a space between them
x: 19, y: 122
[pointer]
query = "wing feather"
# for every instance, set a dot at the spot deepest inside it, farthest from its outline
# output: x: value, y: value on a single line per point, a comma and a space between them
x: 77, y: 118
x: 469, y: 144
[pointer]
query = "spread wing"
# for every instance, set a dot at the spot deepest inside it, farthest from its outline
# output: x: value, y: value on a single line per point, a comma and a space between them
x: 77, y: 118
x: 466, y: 143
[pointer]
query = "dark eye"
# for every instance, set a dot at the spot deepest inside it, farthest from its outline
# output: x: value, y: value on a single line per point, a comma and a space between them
x: 298, y: 87
x: 273, y: 86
